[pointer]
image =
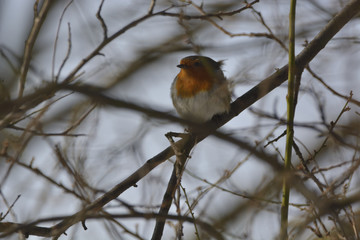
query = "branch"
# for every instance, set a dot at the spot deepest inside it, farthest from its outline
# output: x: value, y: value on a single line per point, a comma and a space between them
x: 291, y: 104
x: 107, y: 40
x: 39, y: 18
x: 182, y: 153
x: 31, y: 228
x: 102, y: 22
x: 209, y: 15
x: 352, y: 100
x: 56, y: 41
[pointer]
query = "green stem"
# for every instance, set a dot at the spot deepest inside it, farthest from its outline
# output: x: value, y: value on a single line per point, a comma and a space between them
x: 290, y: 122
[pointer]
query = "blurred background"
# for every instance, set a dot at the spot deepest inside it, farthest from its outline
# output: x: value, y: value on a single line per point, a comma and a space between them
x: 65, y: 151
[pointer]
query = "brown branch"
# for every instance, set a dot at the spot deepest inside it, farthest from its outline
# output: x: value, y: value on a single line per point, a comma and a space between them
x: 106, y: 41
x: 3, y: 216
x: 38, y: 172
x: 209, y: 15
x: 165, y: 205
x: 47, y: 134
x: 152, y: 6
x: 269, y: 35
x: 13, y: 109
x: 67, y: 53
x: 31, y: 229
x: 56, y: 41
x: 182, y: 153
x: 102, y: 22
x: 326, y: 206
x: 330, y: 88
x: 39, y: 18
x: 330, y: 130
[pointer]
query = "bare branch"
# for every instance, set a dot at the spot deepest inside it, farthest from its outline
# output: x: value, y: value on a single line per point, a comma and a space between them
x: 152, y: 6
x: 39, y: 18
x: 182, y: 154
x: 102, y: 22
x: 32, y: 229
x: 104, y: 43
x: 352, y: 100
x: 209, y: 15
x: 9, y: 207
x: 67, y: 54
x: 56, y: 41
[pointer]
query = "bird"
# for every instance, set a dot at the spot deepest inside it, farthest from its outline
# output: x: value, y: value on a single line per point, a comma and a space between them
x: 200, y: 90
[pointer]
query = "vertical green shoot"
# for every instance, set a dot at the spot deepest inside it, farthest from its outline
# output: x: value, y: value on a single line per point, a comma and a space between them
x: 290, y: 123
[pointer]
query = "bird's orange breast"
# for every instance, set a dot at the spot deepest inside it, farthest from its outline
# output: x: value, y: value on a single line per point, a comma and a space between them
x: 190, y: 83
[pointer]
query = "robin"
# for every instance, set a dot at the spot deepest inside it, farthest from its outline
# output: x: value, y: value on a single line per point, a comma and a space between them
x: 200, y: 91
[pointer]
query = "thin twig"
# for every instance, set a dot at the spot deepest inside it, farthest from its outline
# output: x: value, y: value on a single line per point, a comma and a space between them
x: 106, y: 41
x: 270, y: 35
x: 67, y: 54
x: 47, y: 134
x: 102, y: 22
x: 56, y: 41
x: 317, y: 77
x: 9, y: 208
x: 191, y: 212
x: 173, y: 183
x: 209, y: 15
x: 39, y: 18
x: 152, y: 6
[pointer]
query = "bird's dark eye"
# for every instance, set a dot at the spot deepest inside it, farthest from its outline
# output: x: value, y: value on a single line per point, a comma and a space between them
x: 197, y: 64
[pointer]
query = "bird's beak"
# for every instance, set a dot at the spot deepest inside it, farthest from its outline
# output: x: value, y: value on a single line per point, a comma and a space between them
x: 181, y: 66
